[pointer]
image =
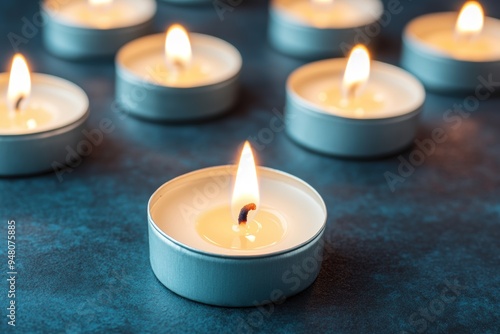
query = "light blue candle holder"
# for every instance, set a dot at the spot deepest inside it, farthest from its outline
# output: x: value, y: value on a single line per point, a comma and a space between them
x: 228, y: 277
x: 67, y: 39
x: 320, y: 130
x: 296, y: 38
x: 142, y: 97
x: 438, y: 70
x: 42, y: 151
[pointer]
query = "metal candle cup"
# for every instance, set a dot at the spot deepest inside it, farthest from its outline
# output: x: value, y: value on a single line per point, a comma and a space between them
x: 196, y: 269
x: 143, y: 90
x: 35, y: 150
x: 78, y: 30
x: 322, y: 128
x: 305, y: 29
x: 450, y: 68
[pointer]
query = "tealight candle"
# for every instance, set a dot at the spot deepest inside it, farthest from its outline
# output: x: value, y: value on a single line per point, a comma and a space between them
x: 449, y: 51
x: 354, y: 107
x: 40, y: 116
x: 317, y: 28
x: 177, y: 76
x: 94, y: 28
x: 235, y: 250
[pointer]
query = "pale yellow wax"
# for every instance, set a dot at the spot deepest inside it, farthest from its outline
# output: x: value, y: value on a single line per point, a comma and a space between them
x: 477, y: 48
x: 368, y: 103
x: 218, y: 227
x: 115, y: 14
x: 189, y: 75
x: 338, y: 13
x: 32, y: 117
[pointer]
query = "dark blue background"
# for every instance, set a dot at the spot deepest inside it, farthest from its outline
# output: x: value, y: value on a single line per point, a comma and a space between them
x: 82, y: 243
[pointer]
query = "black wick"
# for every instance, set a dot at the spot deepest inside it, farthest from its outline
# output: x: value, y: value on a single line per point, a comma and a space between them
x: 17, y: 105
x: 242, y: 218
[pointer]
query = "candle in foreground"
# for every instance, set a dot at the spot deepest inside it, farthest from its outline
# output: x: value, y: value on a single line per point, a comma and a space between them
x: 39, y: 116
x: 319, y: 28
x: 242, y: 224
x: 216, y: 230
x: 177, y: 76
x: 449, y: 51
x: 81, y: 29
x: 353, y: 107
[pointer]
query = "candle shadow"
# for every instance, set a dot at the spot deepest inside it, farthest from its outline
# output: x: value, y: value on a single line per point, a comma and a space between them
x: 26, y: 176
x: 349, y: 278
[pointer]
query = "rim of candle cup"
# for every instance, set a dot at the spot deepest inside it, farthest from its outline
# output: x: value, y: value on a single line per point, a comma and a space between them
x: 263, y: 172
x: 372, y: 14
x: 146, y: 7
x: 66, y: 90
x: 416, y: 30
x: 156, y: 43
x: 336, y: 66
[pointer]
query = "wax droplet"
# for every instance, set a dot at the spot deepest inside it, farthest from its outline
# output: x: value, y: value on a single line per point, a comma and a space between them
x: 31, y: 123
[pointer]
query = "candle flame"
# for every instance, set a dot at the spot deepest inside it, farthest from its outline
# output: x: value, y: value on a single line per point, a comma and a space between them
x: 470, y: 20
x: 356, y: 73
x: 19, y: 88
x: 100, y: 2
x: 246, y: 187
x: 177, y: 47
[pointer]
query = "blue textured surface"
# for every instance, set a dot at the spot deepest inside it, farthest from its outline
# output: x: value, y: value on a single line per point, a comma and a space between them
x: 82, y: 243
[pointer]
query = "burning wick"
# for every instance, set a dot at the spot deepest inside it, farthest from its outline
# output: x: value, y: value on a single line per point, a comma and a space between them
x: 242, y: 218
x: 17, y: 105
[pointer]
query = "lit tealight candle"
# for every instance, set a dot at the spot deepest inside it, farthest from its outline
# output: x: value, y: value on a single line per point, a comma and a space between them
x: 39, y: 116
x: 351, y: 97
x: 177, y: 76
x: 206, y: 243
x: 243, y: 224
x: 16, y: 113
x: 448, y: 51
x: 317, y: 28
x: 354, y: 107
x: 91, y: 28
x: 467, y: 40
